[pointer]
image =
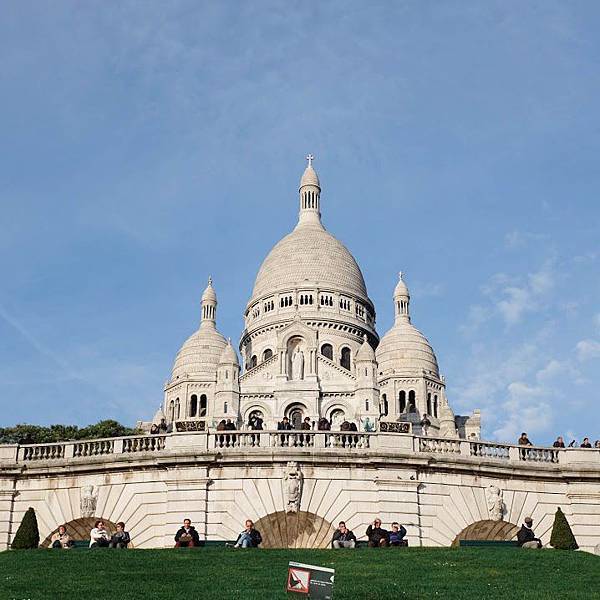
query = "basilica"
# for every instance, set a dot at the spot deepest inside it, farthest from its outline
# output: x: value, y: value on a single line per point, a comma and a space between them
x: 310, y: 348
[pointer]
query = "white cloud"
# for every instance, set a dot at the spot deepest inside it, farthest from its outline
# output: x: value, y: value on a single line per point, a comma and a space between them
x: 587, y: 350
x: 515, y: 239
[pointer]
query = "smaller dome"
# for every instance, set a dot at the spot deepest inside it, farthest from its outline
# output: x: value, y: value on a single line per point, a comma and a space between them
x: 159, y: 416
x: 200, y: 354
x: 209, y: 293
x: 309, y: 177
x: 365, y: 352
x: 405, y: 349
x: 401, y: 288
x: 229, y: 355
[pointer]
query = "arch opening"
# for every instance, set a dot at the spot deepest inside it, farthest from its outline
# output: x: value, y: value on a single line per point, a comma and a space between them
x: 294, y: 530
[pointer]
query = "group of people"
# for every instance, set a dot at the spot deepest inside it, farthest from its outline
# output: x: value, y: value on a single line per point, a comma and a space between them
x: 560, y: 442
x: 99, y: 537
x: 377, y: 536
x: 187, y: 536
x: 161, y: 427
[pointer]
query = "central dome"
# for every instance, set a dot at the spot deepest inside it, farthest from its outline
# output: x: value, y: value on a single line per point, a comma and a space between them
x: 310, y: 255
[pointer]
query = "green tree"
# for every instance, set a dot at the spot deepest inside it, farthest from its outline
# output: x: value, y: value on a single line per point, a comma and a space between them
x: 28, y: 535
x: 562, y: 537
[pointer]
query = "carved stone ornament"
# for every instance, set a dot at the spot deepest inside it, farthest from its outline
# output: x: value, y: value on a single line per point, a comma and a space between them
x: 190, y: 425
x: 495, y: 503
x: 89, y: 499
x: 292, y: 486
x: 387, y: 427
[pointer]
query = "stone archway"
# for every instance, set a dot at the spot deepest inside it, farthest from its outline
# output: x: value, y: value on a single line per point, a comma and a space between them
x: 294, y: 530
x: 487, y: 530
x: 79, y: 529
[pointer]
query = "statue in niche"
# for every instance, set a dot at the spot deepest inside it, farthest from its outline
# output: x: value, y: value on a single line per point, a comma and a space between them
x: 89, y: 499
x: 298, y: 364
x: 292, y: 486
x: 495, y: 503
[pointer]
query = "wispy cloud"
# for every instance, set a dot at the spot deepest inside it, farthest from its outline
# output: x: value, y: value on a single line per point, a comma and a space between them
x: 587, y: 350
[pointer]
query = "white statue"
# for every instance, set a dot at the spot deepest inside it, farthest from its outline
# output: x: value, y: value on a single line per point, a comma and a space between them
x: 495, y: 504
x: 298, y: 364
x: 292, y: 486
x: 89, y: 499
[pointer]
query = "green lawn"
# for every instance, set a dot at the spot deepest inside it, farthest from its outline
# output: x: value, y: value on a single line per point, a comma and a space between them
x: 482, y: 573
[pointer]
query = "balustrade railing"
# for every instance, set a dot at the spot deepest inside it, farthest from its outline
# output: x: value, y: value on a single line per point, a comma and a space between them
x: 318, y: 440
x: 347, y: 440
x: 293, y: 439
x: 439, y: 445
x: 543, y: 455
x: 487, y: 450
x: 144, y: 444
x: 93, y: 448
x: 45, y: 452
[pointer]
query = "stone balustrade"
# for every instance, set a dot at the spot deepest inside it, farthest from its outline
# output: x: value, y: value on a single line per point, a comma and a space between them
x: 206, y: 441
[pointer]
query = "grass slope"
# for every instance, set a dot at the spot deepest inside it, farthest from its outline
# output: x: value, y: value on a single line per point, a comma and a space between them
x: 226, y: 573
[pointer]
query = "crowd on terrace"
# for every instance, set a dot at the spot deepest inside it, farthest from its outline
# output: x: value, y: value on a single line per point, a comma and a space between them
x: 560, y: 442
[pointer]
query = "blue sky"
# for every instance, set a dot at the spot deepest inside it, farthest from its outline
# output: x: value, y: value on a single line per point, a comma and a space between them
x: 146, y: 145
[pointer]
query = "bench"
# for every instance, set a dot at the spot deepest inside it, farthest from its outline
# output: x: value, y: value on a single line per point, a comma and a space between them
x: 488, y: 543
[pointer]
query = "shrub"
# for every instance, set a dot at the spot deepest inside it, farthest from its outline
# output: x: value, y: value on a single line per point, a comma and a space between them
x: 28, y: 535
x: 562, y: 537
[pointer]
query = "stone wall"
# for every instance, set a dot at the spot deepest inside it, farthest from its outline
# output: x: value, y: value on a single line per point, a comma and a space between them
x: 435, y: 487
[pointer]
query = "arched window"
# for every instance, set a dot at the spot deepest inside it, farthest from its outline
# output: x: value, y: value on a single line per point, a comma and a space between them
x: 429, y: 404
x: 384, y: 406
x: 435, y: 406
x: 193, y: 405
x: 345, y: 358
x: 267, y: 354
x: 412, y: 405
x: 171, y: 410
x: 327, y: 351
x: 177, y: 408
x: 402, y: 401
x: 203, y: 406
x: 366, y: 405
x: 253, y: 361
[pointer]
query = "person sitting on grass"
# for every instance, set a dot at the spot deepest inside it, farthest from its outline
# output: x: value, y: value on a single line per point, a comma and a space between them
x: 343, y: 537
x: 61, y: 539
x: 187, y: 536
x: 249, y: 538
x: 526, y: 537
x: 121, y: 539
x: 99, y: 537
x: 396, y: 535
x: 378, y: 537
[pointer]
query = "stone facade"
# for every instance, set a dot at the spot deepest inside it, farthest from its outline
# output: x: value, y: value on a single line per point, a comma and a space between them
x: 310, y: 347
x: 436, y: 487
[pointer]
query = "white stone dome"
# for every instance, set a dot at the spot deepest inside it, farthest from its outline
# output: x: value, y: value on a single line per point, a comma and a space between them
x: 200, y: 354
x: 405, y: 349
x: 309, y: 256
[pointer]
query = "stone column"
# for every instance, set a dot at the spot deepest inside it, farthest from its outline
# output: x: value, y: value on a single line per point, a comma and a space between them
x: 186, y: 497
x: 398, y: 500
x: 7, y: 498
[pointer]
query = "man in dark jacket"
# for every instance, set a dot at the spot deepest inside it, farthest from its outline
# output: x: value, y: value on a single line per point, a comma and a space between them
x: 249, y: 538
x: 378, y: 537
x: 396, y: 535
x: 526, y: 537
x: 284, y: 425
x: 187, y: 536
x: 343, y: 537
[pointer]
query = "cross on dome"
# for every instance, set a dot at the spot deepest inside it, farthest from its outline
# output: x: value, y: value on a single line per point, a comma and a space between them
x: 310, y: 158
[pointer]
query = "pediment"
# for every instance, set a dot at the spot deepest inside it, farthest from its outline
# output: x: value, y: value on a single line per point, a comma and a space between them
x: 329, y: 371
x: 296, y: 328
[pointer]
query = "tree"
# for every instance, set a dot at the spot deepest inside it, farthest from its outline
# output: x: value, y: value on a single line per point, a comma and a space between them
x: 562, y: 537
x: 28, y: 535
